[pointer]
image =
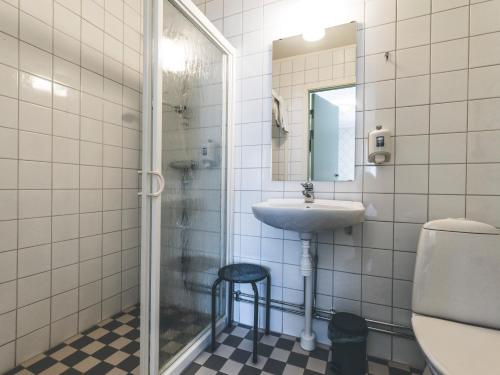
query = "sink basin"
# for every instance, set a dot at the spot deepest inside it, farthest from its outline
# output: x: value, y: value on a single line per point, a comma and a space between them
x: 321, y: 216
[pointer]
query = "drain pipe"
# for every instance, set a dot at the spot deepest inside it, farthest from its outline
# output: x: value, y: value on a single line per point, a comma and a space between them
x: 307, y: 337
x: 393, y: 329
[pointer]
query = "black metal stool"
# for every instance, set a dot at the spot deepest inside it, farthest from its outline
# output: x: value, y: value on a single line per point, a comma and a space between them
x: 243, y: 273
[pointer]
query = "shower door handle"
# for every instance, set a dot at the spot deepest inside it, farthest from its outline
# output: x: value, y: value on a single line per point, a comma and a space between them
x: 161, y: 181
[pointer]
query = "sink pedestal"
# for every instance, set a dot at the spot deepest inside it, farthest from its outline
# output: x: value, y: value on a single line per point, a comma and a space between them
x: 307, y: 337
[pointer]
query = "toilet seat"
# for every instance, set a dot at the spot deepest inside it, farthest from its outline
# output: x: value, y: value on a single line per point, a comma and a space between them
x: 456, y: 348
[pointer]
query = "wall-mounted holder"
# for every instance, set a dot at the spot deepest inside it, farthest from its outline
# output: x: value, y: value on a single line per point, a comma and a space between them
x: 379, y: 146
x: 209, y: 154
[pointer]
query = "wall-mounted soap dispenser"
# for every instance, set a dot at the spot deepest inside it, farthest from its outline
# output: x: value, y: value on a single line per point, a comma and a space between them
x: 379, y: 146
x: 209, y: 155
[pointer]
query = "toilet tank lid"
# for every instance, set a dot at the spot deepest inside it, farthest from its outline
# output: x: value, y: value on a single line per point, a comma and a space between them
x: 461, y: 226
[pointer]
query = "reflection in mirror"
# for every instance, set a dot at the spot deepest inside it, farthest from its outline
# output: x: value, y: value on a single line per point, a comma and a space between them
x: 332, y: 133
x: 314, y: 107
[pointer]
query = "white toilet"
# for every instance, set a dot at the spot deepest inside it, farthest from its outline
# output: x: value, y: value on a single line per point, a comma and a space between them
x: 456, y: 297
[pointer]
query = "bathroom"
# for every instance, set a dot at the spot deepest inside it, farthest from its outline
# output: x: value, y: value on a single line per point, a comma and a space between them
x: 117, y: 223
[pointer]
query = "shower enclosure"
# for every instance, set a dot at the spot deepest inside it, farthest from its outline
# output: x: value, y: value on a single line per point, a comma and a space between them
x: 185, y: 181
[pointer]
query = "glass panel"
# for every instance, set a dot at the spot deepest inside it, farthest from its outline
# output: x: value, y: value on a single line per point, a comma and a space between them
x: 193, y: 216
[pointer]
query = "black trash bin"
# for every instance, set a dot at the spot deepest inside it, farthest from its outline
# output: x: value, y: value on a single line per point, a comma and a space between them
x: 348, y: 333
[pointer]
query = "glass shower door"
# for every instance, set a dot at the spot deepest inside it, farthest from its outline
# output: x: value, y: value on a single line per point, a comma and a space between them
x: 193, y: 223
x: 190, y: 77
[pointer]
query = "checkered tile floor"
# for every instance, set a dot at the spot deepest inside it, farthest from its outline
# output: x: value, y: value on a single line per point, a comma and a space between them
x: 278, y: 354
x: 111, y: 347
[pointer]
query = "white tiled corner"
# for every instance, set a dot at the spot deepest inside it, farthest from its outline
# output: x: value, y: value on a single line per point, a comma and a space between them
x: 40, y: 137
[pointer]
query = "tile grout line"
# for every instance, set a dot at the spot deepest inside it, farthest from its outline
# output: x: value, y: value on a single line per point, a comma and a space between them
x: 79, y: 165
x: 121, y: 175
x: 363, y: 31
x: 429, y: 119
x: 394, y: 174
x: 51, y: 174
x: 101, y: 124
x: 18, y: 222
x: 465, y: 195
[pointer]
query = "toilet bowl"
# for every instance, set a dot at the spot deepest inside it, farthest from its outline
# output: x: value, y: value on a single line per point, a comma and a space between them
x: 456, y: 297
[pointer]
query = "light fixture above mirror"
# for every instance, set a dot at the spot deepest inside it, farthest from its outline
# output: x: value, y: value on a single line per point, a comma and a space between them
x: 313, y: 34
x: 313, y: 18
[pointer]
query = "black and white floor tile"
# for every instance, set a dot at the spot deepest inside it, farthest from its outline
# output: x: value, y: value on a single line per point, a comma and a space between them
x: 111, y: 347
x: 278, y: 354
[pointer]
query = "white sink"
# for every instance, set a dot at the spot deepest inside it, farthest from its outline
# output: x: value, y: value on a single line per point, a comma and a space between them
x: 308, y: 218
x: 320, y: 216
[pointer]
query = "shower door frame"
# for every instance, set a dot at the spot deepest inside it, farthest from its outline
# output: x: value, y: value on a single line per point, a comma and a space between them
x: 151, y: 161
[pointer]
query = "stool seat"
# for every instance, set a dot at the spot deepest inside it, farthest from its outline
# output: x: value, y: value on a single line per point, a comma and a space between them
x: 243, y: 273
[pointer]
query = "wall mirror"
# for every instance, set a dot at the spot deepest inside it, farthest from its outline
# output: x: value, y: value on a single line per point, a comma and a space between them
x: 314, y: 106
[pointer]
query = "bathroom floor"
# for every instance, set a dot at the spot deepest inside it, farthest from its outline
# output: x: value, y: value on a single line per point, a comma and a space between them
x: 110, y: 347
x: 278, y: 354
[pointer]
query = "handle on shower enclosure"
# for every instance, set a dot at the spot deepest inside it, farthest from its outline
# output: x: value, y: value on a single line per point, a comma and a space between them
x: 161, y: 181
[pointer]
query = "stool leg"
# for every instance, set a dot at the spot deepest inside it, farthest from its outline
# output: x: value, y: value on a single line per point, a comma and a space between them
x: 268, y: 304
x: 255, y: 321
x: 230, y: 305
x: 214, y: 294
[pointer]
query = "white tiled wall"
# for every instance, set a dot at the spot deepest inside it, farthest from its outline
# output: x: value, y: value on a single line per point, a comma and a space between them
x: 69, y: 151
x: 438, y: 93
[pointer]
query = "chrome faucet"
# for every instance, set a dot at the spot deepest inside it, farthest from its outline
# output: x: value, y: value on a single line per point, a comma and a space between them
x: 308, y: 192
